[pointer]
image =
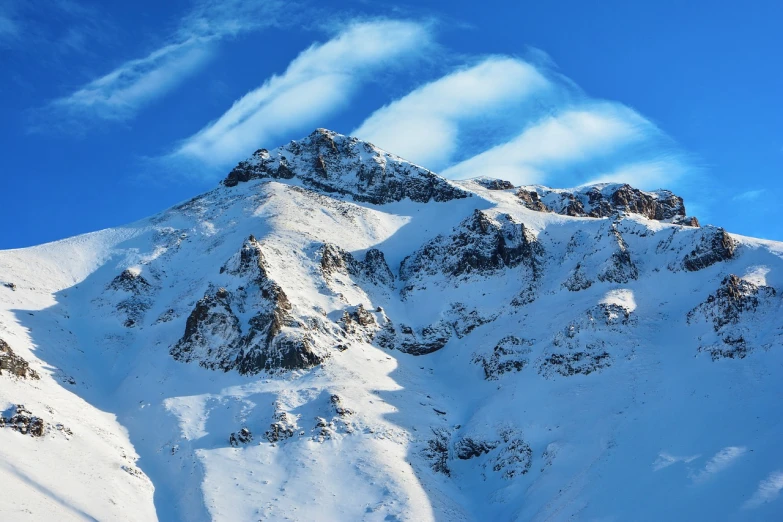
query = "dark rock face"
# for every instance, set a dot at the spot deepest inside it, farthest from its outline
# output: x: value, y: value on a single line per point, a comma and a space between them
x: 509, y: 355
x: 730, y: 310
x: 130, y: 281
x: 242, y: 437
x: 607, y: 200
x: 431, y: 338
x: 515, y: 456
x: 716, y: 245
x: 470, y: 448
x: 284, y: 426
x: 531, y: 200
x: 329, y: 162
x: 620, y: 268
x: 22, y: 421
x: 437, y: 451
x: 337, y: 403
x: 372, y: 269
x: 211, y: 333
x: 465, y: 320
x: 134, y: 306
x: 479, y: 244
x: 578, y: 280
x: 13, y: 364
x: 214, y: 336
x: 494, y: 184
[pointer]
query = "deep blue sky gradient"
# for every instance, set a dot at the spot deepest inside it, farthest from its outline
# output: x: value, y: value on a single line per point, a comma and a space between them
x: 708, y: 73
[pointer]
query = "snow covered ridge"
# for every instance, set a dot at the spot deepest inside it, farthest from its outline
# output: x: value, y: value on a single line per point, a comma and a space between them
x: 333, y: 163
x: 607, y: 199
x: 334, y: 333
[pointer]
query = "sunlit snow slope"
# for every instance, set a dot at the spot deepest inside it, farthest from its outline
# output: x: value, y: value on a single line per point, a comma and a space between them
x: 336, y: 334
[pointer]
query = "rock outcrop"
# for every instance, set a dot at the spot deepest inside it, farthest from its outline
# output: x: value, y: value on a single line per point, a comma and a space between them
x: 479, y: 245
x: 607, y: 200
x: 511, y: 354
x: 340, y: 165
x: 21, y: 420
x: 14, y: 365
x: 731, y: 310
x: 715, y: 245
x: 271, y: 340
x: 372, y: 269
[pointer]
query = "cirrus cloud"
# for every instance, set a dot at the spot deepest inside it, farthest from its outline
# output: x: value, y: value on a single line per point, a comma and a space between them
x: 320, y: 81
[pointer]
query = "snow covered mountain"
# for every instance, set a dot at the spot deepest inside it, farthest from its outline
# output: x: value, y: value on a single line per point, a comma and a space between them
x: 336, y: 334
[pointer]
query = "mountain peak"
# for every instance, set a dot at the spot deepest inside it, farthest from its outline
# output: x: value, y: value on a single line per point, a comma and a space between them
x: 336, y: 164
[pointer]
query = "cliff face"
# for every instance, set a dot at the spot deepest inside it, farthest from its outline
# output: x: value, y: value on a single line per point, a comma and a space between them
x: 335, y: 333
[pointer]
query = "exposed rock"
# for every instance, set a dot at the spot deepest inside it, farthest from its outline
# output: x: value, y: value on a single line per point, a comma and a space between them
x: 21, y: 420
x: 578, y: 280
x: 510, y: 354
x: 573, y: 353
x: 138, y: 302
x: 480, y: 244
x: 431, y: 338
x: 337, y: 403
x: 357, y: 317
x: 591, y: 359
x: 437, y: 451
x: 15, y: 365
x: 212, y: 333
x: 716, y: 245
x: 11, y: 286
x: 337, y: 164
x: 515, y: 457
x: 494, y: 184
x: 620, y: 268
x: 130, y: 281
x: 283, y: 428
x: 464, y: 321
x: 243, y: 436
x: 530, y: 199
x: 729, y: 310
x: 469, y: 448
x: 373, y: 269
x: 605, y: 200
x: 273, y: 339
x: 324, y: 429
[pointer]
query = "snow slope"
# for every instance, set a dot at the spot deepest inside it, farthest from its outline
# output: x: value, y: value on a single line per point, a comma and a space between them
x: 352, y: 337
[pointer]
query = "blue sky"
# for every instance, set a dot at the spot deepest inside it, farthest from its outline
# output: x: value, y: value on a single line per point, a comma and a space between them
x: 115, y: 111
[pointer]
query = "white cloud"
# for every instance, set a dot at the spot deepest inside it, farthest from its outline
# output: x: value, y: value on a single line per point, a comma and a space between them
x: 665, y: 460
x: 423, y: 125
x: 722, y: 460
x: 648, y: 175
x: 119, y: 94
x: 524, y: 122
x: 321, y: 80
x: 749, y: 195
x: 572, y: 136
x: 768, y: 490
x: 9, y: 28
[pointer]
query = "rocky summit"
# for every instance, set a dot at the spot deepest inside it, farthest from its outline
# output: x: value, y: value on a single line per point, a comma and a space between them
x: 334, y: 333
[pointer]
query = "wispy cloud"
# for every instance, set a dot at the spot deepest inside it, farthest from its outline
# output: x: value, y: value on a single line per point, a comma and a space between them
x: 524, y: 122
x: 423, y: 126
x: 119, y: 94
x: 749, y: 195
x: 719, y: 462
x: 321, y: 80
x: 568, y: 137
x: 768, y: 490
x: 10, y: 28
